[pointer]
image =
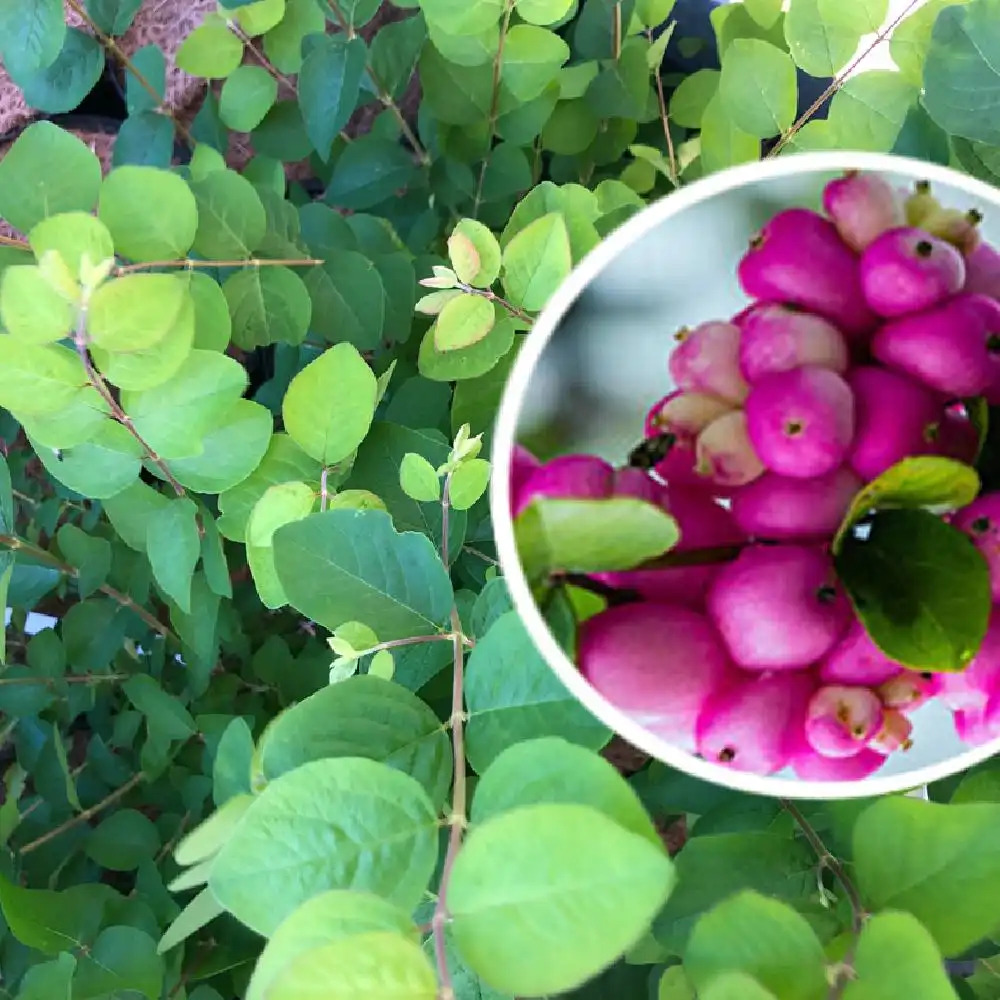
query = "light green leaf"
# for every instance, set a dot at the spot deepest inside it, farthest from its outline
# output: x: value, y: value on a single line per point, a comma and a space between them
x: 263, y: 15
x: 764, y: 12
x: 536, y: 261
x: 38, y: 378
x: 231, y: 219
x: 722, y: 143
x: 920, y: 587
x: 174, y: 548
x: 735, y: 986
x: 419, y: 478
x: 823, y: 35
x: 98, y: 468
x: 689, y: 101
x: 765, y: 939
x: 328, y: 87
x: 208, y: 838
x: 90, y: 554
x: 531, y: 60
x: 939, y: 863
x: 203, y: 909
x: 212, y: 323
x: 30, y: 308
x: 542, y: 11
x: 268, y: 305
x: 920, y: 481
x: 247, y: 95
x: 231, y: 767
x: 910, y: 43
x: 545, y: 896
x: 348, y: 565
x: 47, y: 171
x: 469, y: 482
x: 283, y: 43
x: 758, y: 87
x: 475, y: 253
x: 73, y: 235
x: 868, y: 111
x: 336, y: 721
x: 466, y: 362
x: 279, y: 505
x: 342, y: 823
x: 211, y: 50
x: 140, y: 232
x: 462, y: 322
x: 329, y: 405
x: 463, y: 17
x: 130, y: 510
x: 122, y: 840
x: 136, y: 311
x: 511, y: 695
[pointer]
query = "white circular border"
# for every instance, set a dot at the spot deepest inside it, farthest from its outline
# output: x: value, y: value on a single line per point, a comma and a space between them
x: 504, y: 440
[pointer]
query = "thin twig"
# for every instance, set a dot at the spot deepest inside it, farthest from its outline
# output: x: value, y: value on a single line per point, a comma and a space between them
x: 119, y: 54
x: 481, y: 555
x: 661, y: 100
x: 494, y: 106
x: 15, y: 543
x: 9, y: 241
x: 839, y: 81
x: 95, y: 379
x: 191, y: 264
x: 70, y: 679
x: 87, y: 814
x: 616, y: 32
x: 492, y: 296
x: 324, y: 493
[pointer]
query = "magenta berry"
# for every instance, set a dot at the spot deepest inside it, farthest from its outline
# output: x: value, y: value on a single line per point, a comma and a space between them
x: 971, y: 689
x: 778, y: 607
x: 799, y: 257
x: 862, y: 206
x: 801, y: 422
x: 657, y: 663
x: 895, y: 417
x: 857, y: 660
x: 980, y: 520
x: 978, y: 726
x: 778, y: 337
x: 522, y: 465
x: 811, y: 766
x: 707, y: 360
x: 907, y: 270
x: 955, y: 436
x: 953, y: 348
x: 580, y: 477
x: 781, y: 508
x: 840, y: 720
x: 893, y: 734
x: 982, y: 271
x: 725, y: 454
x: 753, y: 725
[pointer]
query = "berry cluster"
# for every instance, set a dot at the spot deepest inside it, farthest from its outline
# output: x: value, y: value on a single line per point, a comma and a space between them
x: 870, y: 328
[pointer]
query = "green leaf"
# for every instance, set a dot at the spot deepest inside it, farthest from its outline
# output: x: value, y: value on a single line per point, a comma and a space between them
x: 212, y: 322
x: 73, y: 235
x: 90, y: 554
x: 869, y: 110
x: 545, y: 896
x: 211, y: 835
x: 823, y: 35
x: 653, y: 13
x: 512, y: 694
x: 114, y: 17
x: 329, y: 405
x: 247, y: 96
x: 343, y: 823
x: 231, y: 219
x: 463, y: 17
x: 38, y: 378
x: 140, y: 234
x: 339, y: 721
x: 419, y: 478
x: 328, y: 88
x: 463, y: 321
x: 692, y: 96
x: 260, y: 16
x: 62, y: 86
x: 145, y: 138
x: 337, y: 916
x: 762, y: 937
x: 49, y: 980
x: 939, y: 863
x: 921, y: 139
x: 283, y: 43
x: 466, y: 362
x: 369, y: 171
x: 735, y: 986
x: 475, y: 253
x: 348, y: 299
x: 346, y: 565
x: 98, y: 468
x: 722, y: 143
x: 268, y: 305
x: 536, y: 262
x: 531, y: 60
x: 203, y: 909
x: 550, y: 770
x: 122, y: 960
x: 174, y: 547
x: 910, y: 41
x: 231, y: 767
x: 136, y: 311
x: 896, y: 958
x: 764, y: 12
x: 152, y: 64
x: 166, y: 710
x: 211, y: 50
x: 920, y: 481
x: 47, y: 171
x: 122, y: 840
x: 758, y: 88
x: 30, y: 308
x: 920, y: 587
x: 31, y: 35
x: 469, y: 482
x: 278, y: 506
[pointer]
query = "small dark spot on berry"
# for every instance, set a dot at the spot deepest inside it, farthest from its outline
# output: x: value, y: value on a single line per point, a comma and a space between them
x: 727, y: 755
x: 794, y: 427
x: 974, y: 216
x: 927, y: 675
x: 757, y: 241
x: 924, y: 248
x: 993, y: 343
x: 980, y: 525
x: 826, y: 594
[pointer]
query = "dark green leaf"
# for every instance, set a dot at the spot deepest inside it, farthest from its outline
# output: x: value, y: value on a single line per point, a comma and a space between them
x: 328, y: 87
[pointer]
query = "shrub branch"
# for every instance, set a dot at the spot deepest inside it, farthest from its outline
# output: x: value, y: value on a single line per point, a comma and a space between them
x: 494, y: 106
x: 193, y: 264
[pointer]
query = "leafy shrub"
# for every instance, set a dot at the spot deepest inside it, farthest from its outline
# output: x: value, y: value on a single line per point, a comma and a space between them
x: 244, y: 457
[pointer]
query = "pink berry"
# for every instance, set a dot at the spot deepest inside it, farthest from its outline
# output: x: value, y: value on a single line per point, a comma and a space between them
x: 579, y: 477
x: 811, y: 766
x: 954, y: 348
x: 895, y: 418
x: 703, y: 523
x: 955, y: 436
x: 706, y: 360
x: 907, y: 270
x: 855, y: 659
x: 778, y: 337
x: 522, y: 465
x: 972, y: 688
x: 753, y: 725
x: 781, y: 508
x: 980, y: 725
x: 894, y: 733
x: 980, y: 520
x: 801, y: 422
x: 724, y: 452
x: 908, y: 690
x: 982, y: 271
x: 840, y: 720
x: 656, y: 662
x: 799, y: 257
x: 778, y: 607
x: 862, y: 206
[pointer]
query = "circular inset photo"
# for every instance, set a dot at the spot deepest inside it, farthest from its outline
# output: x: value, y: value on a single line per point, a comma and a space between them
x: 752, y: 510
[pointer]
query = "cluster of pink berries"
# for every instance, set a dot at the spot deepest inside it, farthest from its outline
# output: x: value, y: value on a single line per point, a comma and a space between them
x: 871, y: 326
